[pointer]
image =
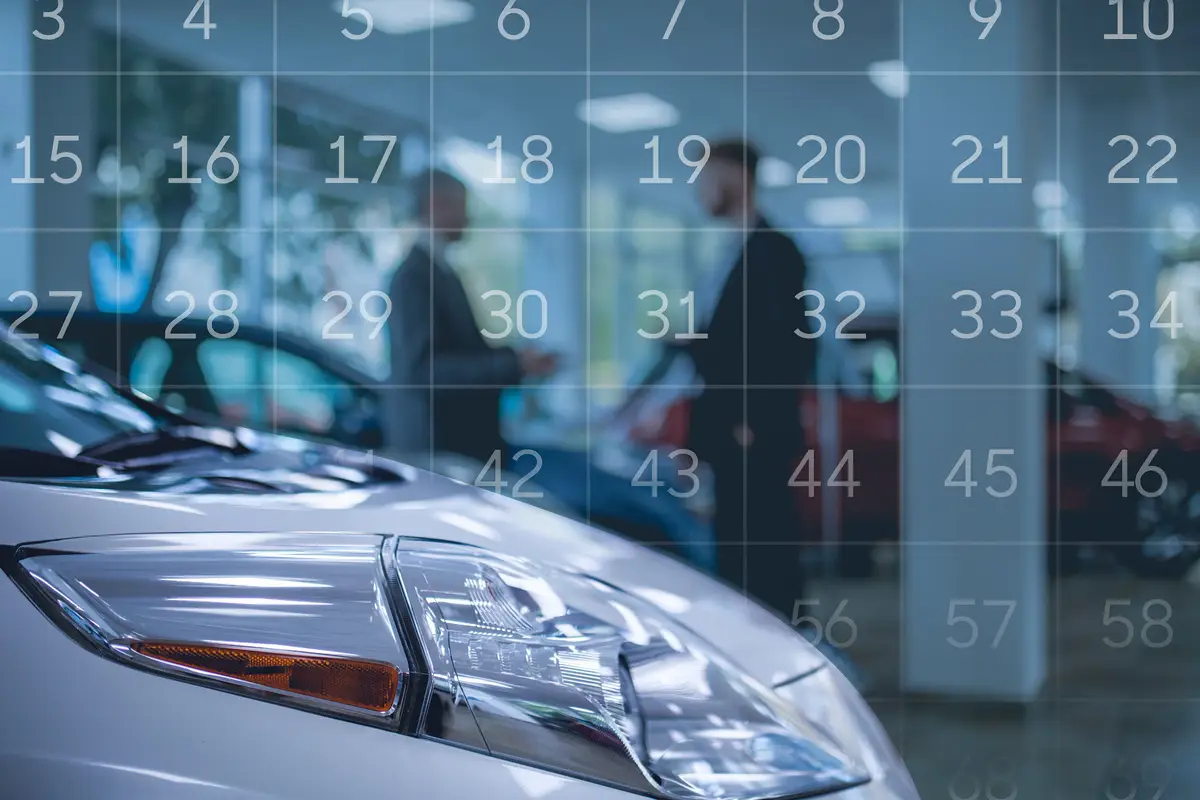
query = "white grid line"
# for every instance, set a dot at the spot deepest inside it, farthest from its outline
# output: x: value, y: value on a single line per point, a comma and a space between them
x: 377, y: 386
x: 587, y: 258
x: 601, y: 73
x: 275, y: 205
x: 120, y: 239
x: 433, y: 231
x: 898, y: 231
x: 901, y: 544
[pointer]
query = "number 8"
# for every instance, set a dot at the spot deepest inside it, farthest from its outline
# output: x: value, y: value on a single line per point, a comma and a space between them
x: 835, y: 14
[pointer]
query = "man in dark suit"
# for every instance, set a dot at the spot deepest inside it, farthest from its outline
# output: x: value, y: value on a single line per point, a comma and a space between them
x: 746, y: 423
x: 446, y: 377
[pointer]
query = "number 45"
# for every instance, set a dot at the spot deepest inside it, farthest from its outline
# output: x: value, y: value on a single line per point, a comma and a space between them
x: 966, y: 484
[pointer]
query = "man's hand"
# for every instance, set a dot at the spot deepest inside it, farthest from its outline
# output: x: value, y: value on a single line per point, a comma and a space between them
x: 743, y: 434
x: 538, y: 363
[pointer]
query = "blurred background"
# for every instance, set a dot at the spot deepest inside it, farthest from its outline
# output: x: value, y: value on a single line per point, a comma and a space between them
x: 999, y: 204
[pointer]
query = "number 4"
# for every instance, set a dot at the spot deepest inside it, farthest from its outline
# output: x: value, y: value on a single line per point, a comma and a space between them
x: 208, y: 26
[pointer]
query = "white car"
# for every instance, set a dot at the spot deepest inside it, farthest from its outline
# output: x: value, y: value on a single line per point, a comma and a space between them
x: 196, y: 613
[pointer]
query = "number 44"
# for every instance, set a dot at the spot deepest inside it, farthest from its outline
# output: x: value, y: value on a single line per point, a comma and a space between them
x: 810, y: 482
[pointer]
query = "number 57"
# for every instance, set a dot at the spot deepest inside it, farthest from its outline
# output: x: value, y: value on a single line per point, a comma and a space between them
x: 953, y: 619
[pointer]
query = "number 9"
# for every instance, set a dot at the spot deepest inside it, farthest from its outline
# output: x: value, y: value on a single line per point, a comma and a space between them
x: 989, y: 22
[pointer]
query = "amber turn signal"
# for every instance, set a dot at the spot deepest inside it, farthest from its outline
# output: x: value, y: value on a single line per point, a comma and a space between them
x: 370, y: 685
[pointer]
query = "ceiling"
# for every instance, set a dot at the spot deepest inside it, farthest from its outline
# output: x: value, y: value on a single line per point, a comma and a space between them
x: 486, y: 85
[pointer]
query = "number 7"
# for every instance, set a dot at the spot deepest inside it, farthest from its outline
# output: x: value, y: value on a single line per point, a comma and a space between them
x: 76, y: 297
x: 674, y: 19
x: 1011, y: 606
x: 391, y: 142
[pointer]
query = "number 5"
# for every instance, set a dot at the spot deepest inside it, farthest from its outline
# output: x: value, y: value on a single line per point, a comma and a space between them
x: 368, y: 21
x: 953, y: 619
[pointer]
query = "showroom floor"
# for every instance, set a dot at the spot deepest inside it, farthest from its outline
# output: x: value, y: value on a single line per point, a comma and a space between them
x: 1112, y: 725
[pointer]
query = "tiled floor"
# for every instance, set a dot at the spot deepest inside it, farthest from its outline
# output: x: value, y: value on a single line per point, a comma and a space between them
x: 1113, y: 723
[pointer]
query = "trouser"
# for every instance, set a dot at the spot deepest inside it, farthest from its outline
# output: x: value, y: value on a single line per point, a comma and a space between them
x: 757, y: 526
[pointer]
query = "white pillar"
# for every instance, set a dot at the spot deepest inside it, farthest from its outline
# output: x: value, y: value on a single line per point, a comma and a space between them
x: 45, y: 226
x: 974, y: 574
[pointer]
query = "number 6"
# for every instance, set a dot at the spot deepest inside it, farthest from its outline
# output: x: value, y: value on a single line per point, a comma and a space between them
x: 509, y: 10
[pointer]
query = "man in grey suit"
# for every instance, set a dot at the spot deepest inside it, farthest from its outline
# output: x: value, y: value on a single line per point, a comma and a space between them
x: 446, y: 377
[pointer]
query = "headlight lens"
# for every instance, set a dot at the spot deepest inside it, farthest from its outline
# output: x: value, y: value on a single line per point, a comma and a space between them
x: 537, y: 665
x: 572, y: 674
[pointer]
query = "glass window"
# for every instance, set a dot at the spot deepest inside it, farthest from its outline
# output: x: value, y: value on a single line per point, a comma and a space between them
x: 149, y: 366
x: 233, y: 371
x: 48, y: 405
x: 306, y: 398
x: 163, y: 100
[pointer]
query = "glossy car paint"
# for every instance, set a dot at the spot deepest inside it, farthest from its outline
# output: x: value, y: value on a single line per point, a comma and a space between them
x: 77, y: 724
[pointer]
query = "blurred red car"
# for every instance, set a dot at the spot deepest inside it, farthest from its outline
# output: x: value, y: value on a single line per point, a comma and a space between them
x: 1096, y: 440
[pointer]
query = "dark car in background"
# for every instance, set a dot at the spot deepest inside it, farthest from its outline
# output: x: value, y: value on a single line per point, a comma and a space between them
x: 269, y: 380
x: 1106, y: 499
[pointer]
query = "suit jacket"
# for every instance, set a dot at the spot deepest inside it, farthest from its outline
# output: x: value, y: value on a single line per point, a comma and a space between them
x: 447, y: 378
x: 752, y: 343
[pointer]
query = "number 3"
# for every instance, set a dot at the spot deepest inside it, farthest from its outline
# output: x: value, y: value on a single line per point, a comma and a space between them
x: 55, y: 15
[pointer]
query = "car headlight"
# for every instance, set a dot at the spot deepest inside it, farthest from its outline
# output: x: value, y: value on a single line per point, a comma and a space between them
x: 524, y: 662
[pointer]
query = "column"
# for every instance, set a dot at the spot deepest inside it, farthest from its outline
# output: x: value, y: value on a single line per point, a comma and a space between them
x: 45, y: 223
x: 973, y: 413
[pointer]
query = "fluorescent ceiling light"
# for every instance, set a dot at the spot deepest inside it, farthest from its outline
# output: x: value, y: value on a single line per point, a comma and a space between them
x: 775, y: 172
x: 1184, y: 221
x: 1049, y: 194
x: 889, y: 77
x: 409, y: 16
x: 837, y: 212
x: 627, y: 112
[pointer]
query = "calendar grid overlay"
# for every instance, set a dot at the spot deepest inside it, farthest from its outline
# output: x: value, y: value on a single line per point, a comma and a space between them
x: 589, y: 387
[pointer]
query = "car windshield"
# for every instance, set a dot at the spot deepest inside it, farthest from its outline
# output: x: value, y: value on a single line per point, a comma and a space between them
x: 48, y: 403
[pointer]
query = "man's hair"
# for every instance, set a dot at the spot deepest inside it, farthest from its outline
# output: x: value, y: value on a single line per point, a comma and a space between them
x: 431, y: 181
x: 737, y: 151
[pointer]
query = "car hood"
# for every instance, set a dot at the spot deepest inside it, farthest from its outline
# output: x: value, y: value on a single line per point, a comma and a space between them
x: 427, y: 506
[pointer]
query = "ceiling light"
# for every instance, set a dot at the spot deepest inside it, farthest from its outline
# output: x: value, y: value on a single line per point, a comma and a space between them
x: 1049, y: 194
x: 1184, y: 221
x: 889, y: 77
x: 409, y: 16
x: 775, y: 172
x: 627, y: 112
x: 837, y: 212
